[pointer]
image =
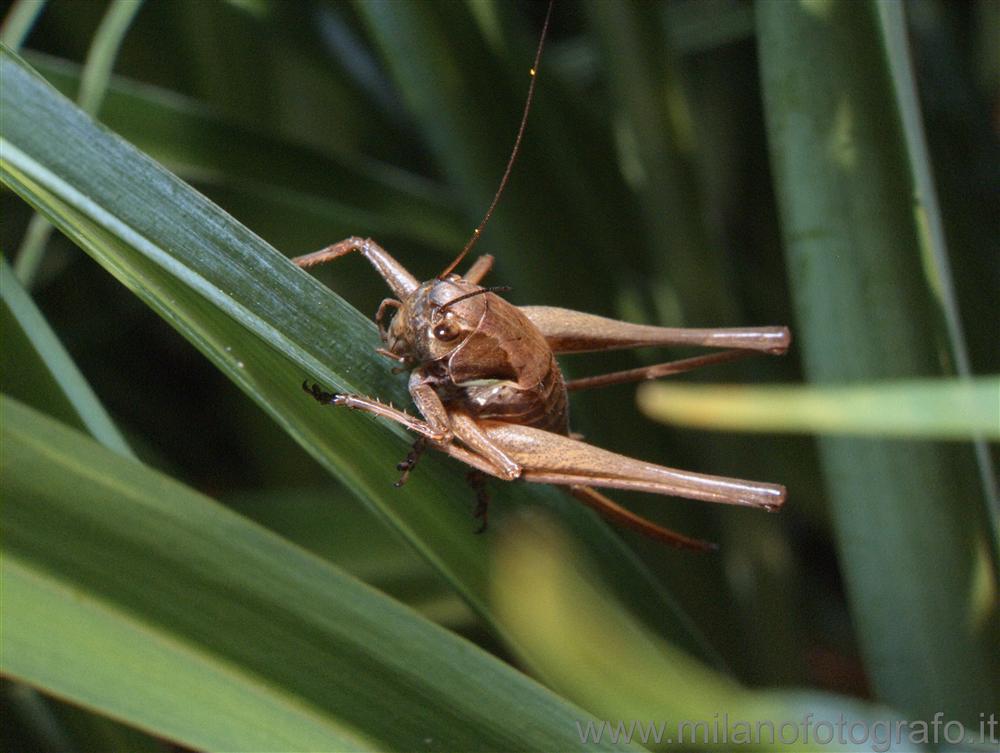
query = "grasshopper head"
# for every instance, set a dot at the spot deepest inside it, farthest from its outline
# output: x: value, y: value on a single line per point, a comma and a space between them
x: 435, y: 319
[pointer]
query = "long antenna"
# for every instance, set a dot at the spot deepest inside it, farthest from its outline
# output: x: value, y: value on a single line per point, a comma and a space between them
x: 481, y: 291
x: 513, y: 155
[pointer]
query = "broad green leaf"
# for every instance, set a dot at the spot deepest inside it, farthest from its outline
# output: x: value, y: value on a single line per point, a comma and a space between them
x: 352, y: 538
x: 926, y: 409
x: 268, y: 326
x: 914, y: 547
x: 130, y: 594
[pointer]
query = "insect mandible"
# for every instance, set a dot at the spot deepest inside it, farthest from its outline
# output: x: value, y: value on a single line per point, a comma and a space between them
x: 485, y: 380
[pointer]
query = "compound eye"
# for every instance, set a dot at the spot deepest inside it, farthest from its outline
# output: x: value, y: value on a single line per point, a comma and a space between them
x: 446, y: 331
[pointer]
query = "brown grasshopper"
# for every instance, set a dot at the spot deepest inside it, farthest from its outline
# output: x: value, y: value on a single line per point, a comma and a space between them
x: 484, y: 377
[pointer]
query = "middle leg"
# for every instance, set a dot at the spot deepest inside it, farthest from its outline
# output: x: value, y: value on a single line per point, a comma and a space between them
x: 410, y: 462
x: 477, y: 480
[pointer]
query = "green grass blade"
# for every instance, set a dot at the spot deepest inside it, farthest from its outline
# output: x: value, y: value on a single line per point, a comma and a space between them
x: 56, y: 727
x: 35, y: 367
x: 925, y: 409
x: 130, y: 594
x: 64, y: 662
x: 289, y: 191
x: 930, y: 225
x: 590, y: 646
x: 907, y: 515
x: 103, y: 51
x: 467, y: 114
x: 645, y: 81
x: 19, y: 20
x: 268, y: 326
x: 93, y: 84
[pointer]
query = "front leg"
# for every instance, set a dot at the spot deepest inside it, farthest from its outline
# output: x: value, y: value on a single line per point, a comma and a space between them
x: 373, y: 406
x: 436, y: 428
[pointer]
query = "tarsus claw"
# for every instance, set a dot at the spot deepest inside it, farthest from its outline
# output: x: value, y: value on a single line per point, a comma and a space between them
x: 319, y: 395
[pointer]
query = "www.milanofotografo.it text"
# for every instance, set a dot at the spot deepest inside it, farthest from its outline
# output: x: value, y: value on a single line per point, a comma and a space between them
x: 879, y: 735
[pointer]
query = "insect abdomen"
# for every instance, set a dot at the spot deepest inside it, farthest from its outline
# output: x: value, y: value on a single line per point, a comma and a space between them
x: 506, y: 371
x: 542, y: 406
